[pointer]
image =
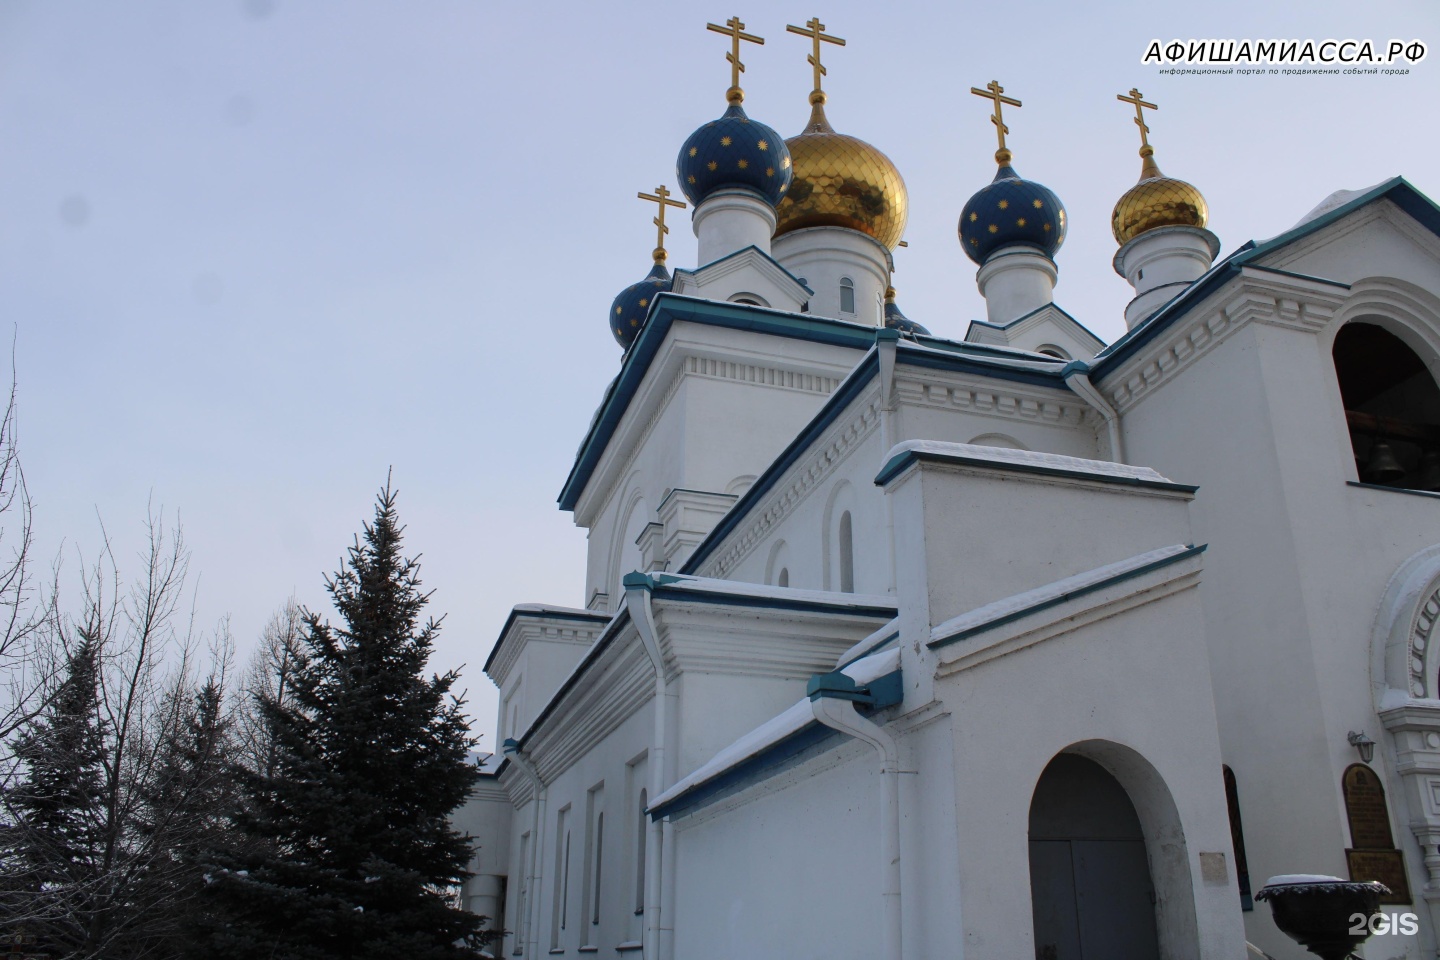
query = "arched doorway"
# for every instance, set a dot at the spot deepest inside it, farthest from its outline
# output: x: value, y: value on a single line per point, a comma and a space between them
x: 1090, y: 888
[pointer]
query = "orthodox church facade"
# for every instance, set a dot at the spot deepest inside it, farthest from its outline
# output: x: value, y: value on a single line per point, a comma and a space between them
x: 1019, y: 645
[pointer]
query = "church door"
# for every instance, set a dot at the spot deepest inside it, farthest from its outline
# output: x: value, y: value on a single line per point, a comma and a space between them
x: 1089, y: 877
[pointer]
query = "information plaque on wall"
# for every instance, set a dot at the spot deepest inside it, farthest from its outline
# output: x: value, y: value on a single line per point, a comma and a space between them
x: 1386, y: 866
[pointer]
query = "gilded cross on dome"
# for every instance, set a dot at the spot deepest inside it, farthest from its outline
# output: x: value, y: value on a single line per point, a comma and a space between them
x: 661, y: 196
x: 815, y: 30
x: 734, y: 29
x: 993, y: 91
x: 1140, y: 105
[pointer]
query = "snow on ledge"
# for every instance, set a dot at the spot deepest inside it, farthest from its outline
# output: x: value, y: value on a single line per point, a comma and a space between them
x: 1020, y: 602
x: 761, y: 591
x: 1025, y: 458
x: 542, y: 609
x: 771, y: 732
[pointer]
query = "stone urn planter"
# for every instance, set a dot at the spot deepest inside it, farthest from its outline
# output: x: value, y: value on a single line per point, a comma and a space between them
x: 1319, y: 913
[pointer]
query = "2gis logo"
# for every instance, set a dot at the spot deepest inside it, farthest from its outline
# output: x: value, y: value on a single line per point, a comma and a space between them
x: 1380, y: 924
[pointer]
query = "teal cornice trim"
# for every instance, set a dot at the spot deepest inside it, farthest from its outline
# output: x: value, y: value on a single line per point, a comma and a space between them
x: 810, y: 740
x: 778, y: 265
x: 573, y: 615
x: 1055, y: 601
x: 667, y: 309
x: 1407, y: 490
x: 901, y: 461
x: 849, y: 388
x: 1397, y: 190
x: 591, y: 656
x: 1026, y: 316
x: 662, y: 591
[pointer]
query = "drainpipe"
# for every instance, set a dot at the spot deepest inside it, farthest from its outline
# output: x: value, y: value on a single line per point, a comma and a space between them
x: 659, y: 938
x: 529, y: 935
x: 1077, y: 378
x: 885, y: 341
x: 832, y: 701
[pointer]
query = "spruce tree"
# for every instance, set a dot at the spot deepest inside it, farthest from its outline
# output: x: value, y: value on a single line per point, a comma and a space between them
x: 53, y: 841
x: 350, y: 851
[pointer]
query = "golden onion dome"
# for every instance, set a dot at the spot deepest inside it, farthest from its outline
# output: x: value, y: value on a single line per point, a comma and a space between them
x: 841, y: 181
x: 1157, y: 201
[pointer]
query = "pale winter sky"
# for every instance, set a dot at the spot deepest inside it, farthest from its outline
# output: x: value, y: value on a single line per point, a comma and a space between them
x: 256, y: 252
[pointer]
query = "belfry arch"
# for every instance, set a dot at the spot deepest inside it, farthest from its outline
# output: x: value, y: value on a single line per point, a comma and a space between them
x: 1392, y: 407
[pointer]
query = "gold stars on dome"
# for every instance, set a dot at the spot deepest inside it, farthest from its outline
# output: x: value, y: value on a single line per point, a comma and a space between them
x: 1156, y: 200
x: 726, y: 141
x: 661, y: 197
x: 769, y: 171
x: 762, y: 146
x: 694, y: 151
x: 993, y: 91
x: 712, y: 166
x: 744, y: 163
x: 1038, y: 203
x: 734, y: 29
x: 815, y: 30
x: 785, y: 164
x: 1004, y: 204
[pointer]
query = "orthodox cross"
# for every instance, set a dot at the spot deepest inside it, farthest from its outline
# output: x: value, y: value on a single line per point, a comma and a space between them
x: 816, y: 33
x: 734, y: 29
x: 1140, y: 106
x: 993, y: 91
x: 661, y: 196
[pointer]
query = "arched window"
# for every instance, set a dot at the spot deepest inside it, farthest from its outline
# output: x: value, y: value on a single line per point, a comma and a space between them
x: 847, y: 554
x: 783, y: 580
x: 1237, y: 839
x: 1392, y: 407
x: 640, y: 855
x: 847, y: 295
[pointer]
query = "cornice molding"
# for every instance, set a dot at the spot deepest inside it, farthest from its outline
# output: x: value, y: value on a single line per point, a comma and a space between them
x: 1257, y: 295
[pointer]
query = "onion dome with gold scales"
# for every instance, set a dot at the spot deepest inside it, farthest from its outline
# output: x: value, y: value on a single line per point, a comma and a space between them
x: 734, y: 151
x: 1157, y: 200
x: 632, y: 305
x: 840, y: 180
x: 1011, y: 209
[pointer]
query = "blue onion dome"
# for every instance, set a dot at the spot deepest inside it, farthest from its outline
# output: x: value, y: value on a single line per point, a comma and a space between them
x: 1011, y: 210
x: 734, y: 151
x: 632, y: 306
x: 895, y: 320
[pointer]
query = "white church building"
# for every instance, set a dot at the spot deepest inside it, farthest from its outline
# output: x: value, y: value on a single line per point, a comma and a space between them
x: 1022, y: 645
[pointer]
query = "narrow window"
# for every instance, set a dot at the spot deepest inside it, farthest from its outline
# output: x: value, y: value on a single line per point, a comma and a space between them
x: 784, y: 579
x: 847, y: 295
x: 640, y: 855
x: 558, y: 915
x: 1237, y: 840
x: 522, y: 906
x: 847, y: 555
x: 594, y: 850
x: 599, y: 860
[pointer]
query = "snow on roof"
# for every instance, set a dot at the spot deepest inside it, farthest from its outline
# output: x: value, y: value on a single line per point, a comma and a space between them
x: 793, y: 720
x: 1333, y: 202
x: 1041, y: 596
x: 760, y: 591
x: 987, y: 353
x: 543, y: 609
x: 889, y: 631
x: 1027, y: 458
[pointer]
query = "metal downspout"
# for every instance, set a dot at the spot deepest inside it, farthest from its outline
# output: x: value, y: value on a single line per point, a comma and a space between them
x: 529, y: 936
x: 1077, y: 378
x: 839, y: 714
x: 659, y: 934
